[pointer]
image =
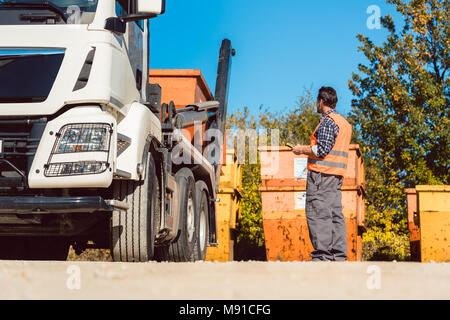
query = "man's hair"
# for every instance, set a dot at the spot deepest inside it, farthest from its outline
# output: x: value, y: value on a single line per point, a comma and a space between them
x: 329, y: 97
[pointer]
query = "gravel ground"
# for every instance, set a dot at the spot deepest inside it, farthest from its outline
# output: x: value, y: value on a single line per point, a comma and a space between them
x: 235, y: 280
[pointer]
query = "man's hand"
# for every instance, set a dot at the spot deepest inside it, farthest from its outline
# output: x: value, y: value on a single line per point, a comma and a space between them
x: 298, y: 150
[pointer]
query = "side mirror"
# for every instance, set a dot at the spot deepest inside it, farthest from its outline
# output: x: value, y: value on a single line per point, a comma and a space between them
x: 149, y: 7
x: 145, y: 9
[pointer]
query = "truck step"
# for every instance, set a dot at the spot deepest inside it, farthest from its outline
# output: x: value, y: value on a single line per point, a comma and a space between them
x: 118, y: 204
x: 122, y: 174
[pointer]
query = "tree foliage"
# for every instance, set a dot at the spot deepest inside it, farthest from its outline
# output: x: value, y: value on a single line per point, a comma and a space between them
x: 297, y: 125
x: 401, y: 112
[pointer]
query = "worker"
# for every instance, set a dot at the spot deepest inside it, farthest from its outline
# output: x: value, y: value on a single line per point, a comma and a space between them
x: 327, y: 165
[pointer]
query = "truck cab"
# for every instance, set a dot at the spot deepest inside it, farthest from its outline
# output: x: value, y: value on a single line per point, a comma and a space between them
x: 87, y: 149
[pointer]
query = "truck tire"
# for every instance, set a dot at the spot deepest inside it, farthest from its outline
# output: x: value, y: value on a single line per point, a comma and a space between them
x: 133, y: 231
x: 34, y: 248
x: 202, y: 226
x: 182, y: 248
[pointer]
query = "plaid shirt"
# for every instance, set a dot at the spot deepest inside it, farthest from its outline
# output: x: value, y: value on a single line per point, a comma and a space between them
x: 326, y: 135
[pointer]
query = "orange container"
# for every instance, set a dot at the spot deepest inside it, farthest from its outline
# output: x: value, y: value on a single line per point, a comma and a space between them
x: 283, y: 193
x: 413, y: 225
x: 184, y: 87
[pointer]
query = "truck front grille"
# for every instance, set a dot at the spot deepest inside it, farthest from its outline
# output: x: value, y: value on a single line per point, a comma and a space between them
x: 19, y: 140
x: 19, y: 146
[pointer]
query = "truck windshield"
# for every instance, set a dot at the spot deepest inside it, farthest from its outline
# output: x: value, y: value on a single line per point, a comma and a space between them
x: 47, y: 11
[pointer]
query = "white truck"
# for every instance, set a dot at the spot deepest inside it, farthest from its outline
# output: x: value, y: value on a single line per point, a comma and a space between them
x: 88, y: 155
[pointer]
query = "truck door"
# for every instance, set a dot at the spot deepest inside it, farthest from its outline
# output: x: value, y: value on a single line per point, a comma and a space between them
x: 136, y: 39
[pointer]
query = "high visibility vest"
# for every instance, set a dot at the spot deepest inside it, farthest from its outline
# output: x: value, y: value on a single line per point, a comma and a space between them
x: 335, y: 162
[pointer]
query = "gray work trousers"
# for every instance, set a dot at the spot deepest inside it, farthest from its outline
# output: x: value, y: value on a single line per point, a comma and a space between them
x: 326, y: 223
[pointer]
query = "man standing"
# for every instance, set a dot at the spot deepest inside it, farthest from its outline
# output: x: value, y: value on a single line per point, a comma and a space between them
x: 327, y: 165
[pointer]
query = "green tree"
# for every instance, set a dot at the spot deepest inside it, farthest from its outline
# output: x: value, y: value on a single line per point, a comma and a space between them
x: 401, y: 113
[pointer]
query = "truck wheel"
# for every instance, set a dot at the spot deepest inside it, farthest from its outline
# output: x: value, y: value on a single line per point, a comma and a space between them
x: 202, y: 227
x: 133, y: 231
x: 34, y: 248
x: 182, y: 248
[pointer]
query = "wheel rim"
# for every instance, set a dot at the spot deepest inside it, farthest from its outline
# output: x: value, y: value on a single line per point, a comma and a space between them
x: 202, y: 231
x: 190, y: 219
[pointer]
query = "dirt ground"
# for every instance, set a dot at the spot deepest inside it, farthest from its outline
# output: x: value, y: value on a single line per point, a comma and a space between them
x: 235, y: 280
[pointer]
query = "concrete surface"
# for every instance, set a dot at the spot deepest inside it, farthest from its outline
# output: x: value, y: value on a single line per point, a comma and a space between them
x: 236, y: 280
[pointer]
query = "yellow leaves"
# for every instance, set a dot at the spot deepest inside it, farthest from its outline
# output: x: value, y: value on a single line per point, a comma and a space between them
x: 355, y: 90
x: 395, y: 97
x: 385, y: 238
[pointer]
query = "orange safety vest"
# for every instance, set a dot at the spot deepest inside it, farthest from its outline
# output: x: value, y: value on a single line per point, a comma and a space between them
x: 335, y: 162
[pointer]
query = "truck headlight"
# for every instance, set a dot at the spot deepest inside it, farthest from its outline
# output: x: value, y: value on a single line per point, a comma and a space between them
x: 75, y: 168
x: 92, y: 137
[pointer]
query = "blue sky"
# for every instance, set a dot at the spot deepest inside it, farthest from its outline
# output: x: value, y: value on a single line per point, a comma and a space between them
x: 282, y: 46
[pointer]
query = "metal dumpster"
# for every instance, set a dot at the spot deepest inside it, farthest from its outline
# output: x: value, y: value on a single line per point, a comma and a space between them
x: 283, y: 193
x: 430, y: 228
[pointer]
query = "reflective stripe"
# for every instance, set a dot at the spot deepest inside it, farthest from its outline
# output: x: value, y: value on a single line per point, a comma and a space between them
x: 327, y: 163
x: 339, y: 153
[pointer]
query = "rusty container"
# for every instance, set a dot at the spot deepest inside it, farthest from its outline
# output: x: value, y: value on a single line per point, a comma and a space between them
x: 283, y: 192
x: 228, y: 210
x: 413, y: 224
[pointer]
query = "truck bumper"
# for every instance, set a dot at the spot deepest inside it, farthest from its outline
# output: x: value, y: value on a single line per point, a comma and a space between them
x: 47, y: 205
